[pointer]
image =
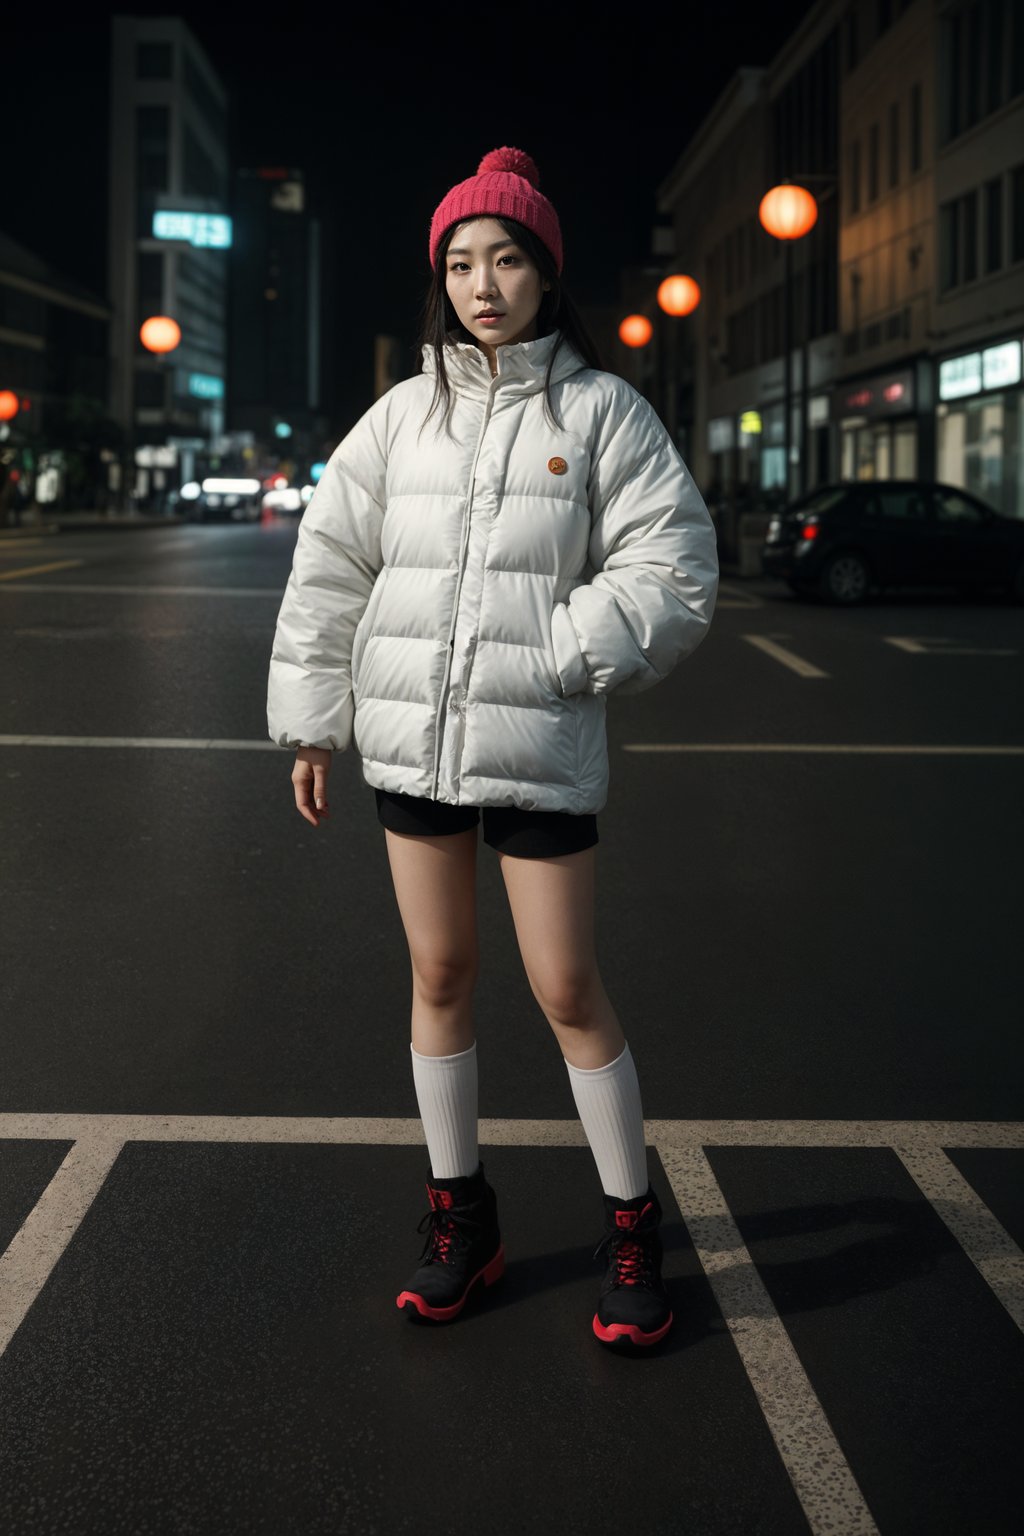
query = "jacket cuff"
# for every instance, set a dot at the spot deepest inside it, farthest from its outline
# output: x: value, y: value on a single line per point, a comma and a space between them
x: 572, y: 669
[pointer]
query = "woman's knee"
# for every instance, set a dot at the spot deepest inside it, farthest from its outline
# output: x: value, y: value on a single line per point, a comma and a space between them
x: 444, y: 981
x: 570, y: 999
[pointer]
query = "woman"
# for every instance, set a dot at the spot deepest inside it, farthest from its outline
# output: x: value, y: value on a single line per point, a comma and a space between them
x: 497, y: 545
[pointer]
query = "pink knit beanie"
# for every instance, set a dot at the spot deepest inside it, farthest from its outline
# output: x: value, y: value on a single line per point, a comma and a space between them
x: 505, y: 184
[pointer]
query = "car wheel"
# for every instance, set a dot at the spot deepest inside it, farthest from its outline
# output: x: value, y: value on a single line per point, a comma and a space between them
x: 845, y: 579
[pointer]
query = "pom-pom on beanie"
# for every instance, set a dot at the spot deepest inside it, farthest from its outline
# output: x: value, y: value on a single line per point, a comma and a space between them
x: 505, y: 185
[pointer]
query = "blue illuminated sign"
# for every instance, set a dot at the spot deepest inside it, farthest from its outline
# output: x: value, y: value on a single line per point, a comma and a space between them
x: 209, y: 230
x: 206, y: 386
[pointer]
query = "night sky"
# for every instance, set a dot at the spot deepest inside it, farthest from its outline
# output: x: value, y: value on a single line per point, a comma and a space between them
x: 385, y: 113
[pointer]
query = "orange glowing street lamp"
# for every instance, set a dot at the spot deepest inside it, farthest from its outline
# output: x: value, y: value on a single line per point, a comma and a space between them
x: 788, y: 212
x: 8, y: 405
x: 636, y: 331
x: 160, y: 334
x: 678, y: 294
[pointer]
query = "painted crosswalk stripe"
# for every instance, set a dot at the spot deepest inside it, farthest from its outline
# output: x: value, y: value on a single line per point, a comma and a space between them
x: 842, y: 749
x: 735, y: 597
x: 35, y: 570
x: 839, y: 749
x: 27, y: 1263
x: 820, y: 1474
x: 986, y: 1243
x: 787, y: 657
x: 150, y: 590
x: 940, y: 647
x: 164, y: 743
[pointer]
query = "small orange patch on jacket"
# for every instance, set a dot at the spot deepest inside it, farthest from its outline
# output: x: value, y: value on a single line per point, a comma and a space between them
x: 557, y: 466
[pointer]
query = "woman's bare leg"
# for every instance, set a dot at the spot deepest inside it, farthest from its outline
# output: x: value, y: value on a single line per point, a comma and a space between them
x: 435, y: 886
x: 552, y: 903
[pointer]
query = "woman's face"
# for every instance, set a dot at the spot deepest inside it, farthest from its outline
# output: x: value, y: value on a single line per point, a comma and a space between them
x: 488, y: 274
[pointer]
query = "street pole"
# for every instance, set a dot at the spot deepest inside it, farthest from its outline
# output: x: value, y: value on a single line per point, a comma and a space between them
x: 788, y: 350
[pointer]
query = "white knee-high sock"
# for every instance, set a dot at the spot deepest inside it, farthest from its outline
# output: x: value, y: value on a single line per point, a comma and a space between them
x: 446, y: 1092
x: 608, y: 1101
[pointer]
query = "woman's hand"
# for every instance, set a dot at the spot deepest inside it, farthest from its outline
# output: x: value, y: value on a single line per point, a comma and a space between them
x: 309, y: 777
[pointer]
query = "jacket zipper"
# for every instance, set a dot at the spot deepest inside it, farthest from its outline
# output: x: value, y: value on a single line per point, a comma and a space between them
x: 463, y: 550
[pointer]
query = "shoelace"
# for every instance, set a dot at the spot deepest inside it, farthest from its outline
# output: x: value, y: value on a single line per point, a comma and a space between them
x: 630, y: 1255
x: 446, y: 1235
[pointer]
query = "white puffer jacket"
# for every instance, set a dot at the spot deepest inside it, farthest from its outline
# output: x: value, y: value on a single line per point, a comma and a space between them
x: 460, y: 606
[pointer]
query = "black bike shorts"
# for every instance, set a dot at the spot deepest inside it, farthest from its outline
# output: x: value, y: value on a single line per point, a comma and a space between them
x: 523, y: 834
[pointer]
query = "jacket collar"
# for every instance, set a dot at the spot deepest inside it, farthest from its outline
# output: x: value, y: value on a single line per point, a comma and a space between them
x: 521, y: 366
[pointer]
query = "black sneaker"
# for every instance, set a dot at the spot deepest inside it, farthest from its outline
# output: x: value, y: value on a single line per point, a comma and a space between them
x: 633, y: 1306
x: 463, y: 1247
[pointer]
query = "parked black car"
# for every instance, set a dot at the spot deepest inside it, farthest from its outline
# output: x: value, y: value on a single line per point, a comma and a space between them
x: 843, y: 540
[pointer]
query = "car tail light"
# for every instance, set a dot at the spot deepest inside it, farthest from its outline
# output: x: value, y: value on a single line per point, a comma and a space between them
x: 810, y: 530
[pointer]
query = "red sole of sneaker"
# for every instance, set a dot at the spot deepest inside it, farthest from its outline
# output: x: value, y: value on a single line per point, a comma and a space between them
x: 628, y: 1333
x: 413, y: 1304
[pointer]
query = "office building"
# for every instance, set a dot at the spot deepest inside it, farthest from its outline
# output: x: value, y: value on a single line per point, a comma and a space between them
x: 169, y: 237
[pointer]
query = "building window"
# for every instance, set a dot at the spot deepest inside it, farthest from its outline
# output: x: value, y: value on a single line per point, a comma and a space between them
x: 1017, y: 195
x: 873, y: 163
x: 152, y: 162
x: 949, y: 246
x: 972, y: 94
x: 994, y: 224
x: 153, y: 61
x: 970, y: 220
x: 204, y: 98
x: 1017, y: 50
x: 200, y: 176
x: 951, y: 75
x: 894, y: 143
x: 152, y: 127
x: 915, y: 127
x: 149, y: 285
x: 855, y: 176
x: 974, y: 56
x: 995, y: 53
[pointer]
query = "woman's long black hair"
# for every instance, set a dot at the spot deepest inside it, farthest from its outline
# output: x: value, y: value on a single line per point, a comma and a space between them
x: 441, y: 324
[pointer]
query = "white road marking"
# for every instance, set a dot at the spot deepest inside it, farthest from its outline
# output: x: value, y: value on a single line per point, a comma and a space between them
x: 820, y: 1474
x: 735, y: 597
x: 844, y: 749
x: 824, y: 1484
x: 986, y: 1243
x: 162, y: 742
x: 34, y: 570
x: 51, y: 1224
x: 939, y: 647
x: 391, y: 1132
x: 839, y: 749
x: 144, y: 591
x: 786, y: 657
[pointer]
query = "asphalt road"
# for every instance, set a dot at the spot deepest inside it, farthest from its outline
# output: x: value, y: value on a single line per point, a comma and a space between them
x: 211, y: 1167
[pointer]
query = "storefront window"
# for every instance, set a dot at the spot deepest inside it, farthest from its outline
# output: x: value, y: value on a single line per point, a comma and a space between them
x: 881, y: 450
x: 904, y: 451
x: 979, y: 449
